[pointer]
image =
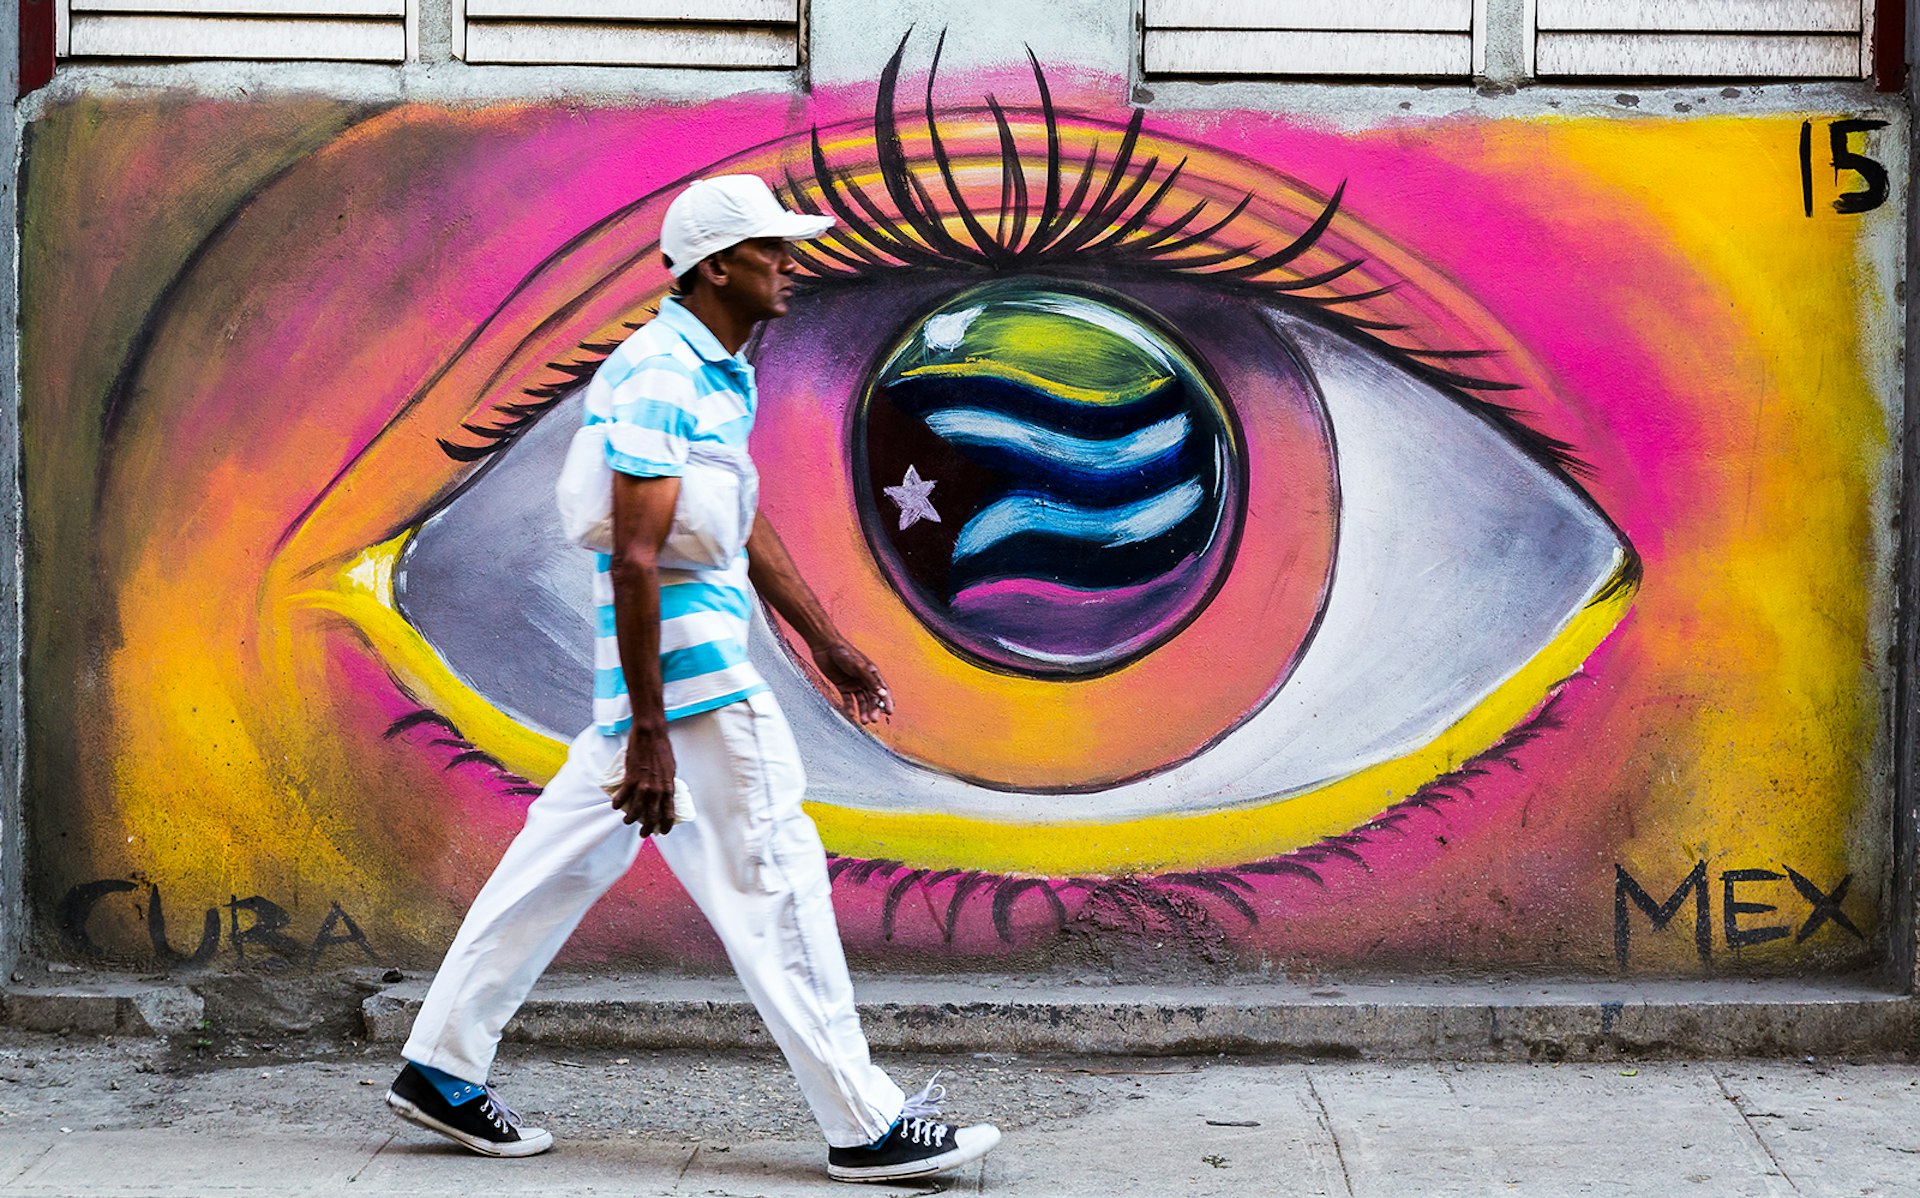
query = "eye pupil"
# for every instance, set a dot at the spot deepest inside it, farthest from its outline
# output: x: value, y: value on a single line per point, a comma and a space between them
x: 1050, y: 482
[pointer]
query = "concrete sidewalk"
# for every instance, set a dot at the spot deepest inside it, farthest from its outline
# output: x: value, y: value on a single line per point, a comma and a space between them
x: 190, y: 1117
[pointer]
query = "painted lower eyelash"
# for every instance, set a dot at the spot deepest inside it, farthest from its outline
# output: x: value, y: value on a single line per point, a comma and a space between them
x: 1161, y: 894
x: 1170, y: 898
x: 465, y: 752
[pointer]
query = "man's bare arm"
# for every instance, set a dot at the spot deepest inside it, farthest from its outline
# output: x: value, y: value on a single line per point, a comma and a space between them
x: 862, y: 692
x: 642, y: 517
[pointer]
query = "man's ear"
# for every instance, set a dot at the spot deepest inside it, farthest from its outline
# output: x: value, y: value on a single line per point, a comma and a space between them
x: 713, y: 269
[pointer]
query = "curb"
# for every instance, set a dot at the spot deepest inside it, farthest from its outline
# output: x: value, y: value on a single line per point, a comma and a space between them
x: 103, y: 1008
x: 1416, y: 1021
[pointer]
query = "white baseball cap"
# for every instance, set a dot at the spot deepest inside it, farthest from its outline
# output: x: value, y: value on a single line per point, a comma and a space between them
x: 713, y: 214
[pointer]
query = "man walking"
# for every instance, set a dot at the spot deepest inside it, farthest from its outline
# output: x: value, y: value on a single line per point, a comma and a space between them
x: 673, y: 679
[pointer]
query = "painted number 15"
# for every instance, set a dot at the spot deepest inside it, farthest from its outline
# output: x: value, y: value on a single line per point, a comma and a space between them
x: 1874, y: 175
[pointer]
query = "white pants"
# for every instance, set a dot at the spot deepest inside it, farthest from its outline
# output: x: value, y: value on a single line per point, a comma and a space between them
x: 752, y: 862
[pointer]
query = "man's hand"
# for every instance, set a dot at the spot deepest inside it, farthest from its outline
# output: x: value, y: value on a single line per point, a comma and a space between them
x: 646, y: 794
x: 642, y: 513
x: 862, y: 694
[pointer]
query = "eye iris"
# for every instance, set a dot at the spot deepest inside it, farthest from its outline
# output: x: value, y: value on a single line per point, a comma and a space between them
x: 1049, y: 481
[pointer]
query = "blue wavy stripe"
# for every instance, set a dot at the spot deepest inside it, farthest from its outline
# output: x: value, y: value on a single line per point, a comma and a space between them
x: 1105, y: 455
x: 1127, y: 524
x: 1074, y: 563
x: 918, y: 397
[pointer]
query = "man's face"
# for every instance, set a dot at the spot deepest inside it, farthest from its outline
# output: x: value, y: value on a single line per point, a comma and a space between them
x: 759, y: 277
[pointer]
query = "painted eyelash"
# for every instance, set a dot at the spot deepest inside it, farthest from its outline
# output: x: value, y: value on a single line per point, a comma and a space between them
x: 1067, y: 237
x: 1109, y: 238
x: 1113, y: 229
x: 1186, y: 899
x: 521, y: 415
x: 465, y: 752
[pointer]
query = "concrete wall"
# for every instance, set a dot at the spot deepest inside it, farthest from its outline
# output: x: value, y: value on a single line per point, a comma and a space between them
x: 1902, y: 955
x: 1499, y: 578
x: 13, y: 850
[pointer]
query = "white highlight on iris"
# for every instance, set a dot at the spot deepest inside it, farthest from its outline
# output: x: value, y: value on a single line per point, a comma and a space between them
x: 948, y: 329
x: 977, y: 426
x: 1124, y: 525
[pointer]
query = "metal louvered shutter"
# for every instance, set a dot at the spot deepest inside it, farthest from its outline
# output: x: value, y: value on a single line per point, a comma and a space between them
x: 675, y: 33
x: 334, y: 30
x: 1703, y: 39
x: 1308, y: 38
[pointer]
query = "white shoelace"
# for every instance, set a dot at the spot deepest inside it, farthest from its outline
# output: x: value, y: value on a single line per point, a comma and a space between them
x: 498, y: 1112
x: 919, y: 1116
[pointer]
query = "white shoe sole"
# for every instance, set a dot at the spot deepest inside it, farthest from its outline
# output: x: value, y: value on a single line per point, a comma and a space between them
x: 959, y: 1154
x: 532, y: 1141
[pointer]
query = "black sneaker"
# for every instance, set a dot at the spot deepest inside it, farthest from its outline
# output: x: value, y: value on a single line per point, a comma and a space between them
x: 484, y: 1124
x: 918, y: 1146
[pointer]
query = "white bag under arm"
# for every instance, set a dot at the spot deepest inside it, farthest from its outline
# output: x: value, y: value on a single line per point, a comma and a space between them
x: 719, y: 492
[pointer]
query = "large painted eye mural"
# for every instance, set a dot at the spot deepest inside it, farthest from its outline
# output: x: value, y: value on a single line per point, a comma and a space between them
x: 1286, y: 545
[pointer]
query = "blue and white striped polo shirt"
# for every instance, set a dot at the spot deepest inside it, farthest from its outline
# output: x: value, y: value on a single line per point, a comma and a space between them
x: 667, y: 386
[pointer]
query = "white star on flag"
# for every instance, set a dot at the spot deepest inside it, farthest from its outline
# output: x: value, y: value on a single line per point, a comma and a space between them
x: 911, y: 495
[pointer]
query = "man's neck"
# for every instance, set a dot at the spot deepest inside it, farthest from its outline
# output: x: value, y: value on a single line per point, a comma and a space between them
x: 728, y: 327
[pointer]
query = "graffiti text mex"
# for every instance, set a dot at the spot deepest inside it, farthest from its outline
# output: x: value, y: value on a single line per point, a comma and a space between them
x: 1741, y: 916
